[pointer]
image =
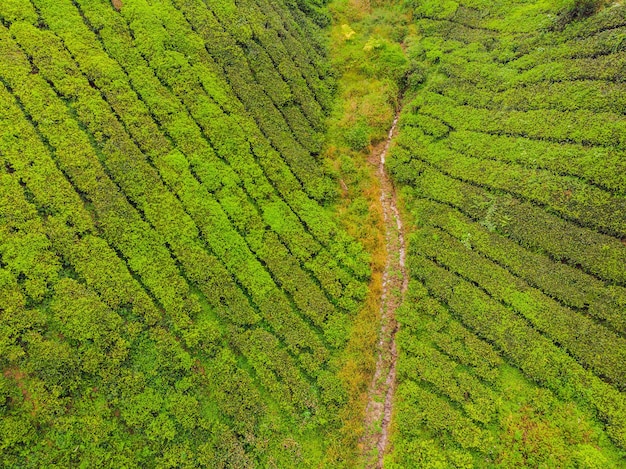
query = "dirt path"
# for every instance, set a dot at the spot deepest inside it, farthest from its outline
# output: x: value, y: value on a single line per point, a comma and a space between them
x: 395, y: 281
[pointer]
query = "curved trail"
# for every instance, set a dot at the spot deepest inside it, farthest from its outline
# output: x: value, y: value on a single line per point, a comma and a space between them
x: 395, y: 281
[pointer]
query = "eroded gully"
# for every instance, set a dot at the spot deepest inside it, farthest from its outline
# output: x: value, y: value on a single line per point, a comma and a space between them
x: 394, y: 284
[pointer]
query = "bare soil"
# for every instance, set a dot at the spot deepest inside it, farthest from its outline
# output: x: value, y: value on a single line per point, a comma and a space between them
x: 379, y: 408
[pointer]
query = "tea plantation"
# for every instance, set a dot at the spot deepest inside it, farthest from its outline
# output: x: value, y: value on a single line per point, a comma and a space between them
x: 173, y: 292
x: 511, y: 158
x: 193, y: 254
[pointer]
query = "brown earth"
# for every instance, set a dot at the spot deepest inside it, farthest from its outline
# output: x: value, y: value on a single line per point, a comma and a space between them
x: 379, y: 408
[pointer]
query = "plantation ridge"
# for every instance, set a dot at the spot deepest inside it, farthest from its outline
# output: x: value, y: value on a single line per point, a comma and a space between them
x: 313, y: 234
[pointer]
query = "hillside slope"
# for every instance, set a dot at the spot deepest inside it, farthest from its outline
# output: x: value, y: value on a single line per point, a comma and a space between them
x: 511, y: 156
x: 173, y: 292
x: 178, y: 287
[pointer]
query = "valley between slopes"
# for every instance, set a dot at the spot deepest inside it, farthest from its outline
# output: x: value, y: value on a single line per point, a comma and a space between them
x: 379, y: 408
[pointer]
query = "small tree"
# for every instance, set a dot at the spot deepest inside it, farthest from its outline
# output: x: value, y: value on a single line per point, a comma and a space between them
x: 578, y: 9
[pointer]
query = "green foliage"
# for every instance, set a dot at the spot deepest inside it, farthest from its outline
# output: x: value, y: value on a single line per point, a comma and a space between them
x: 173, y: 287
x: 176, y: 292
x: 433, y: 9
x: 358, y: 137
x: 578, y: 9
x: 510, y: 158
x: 386, y: 59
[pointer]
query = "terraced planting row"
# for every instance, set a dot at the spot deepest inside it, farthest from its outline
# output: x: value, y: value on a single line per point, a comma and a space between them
x: 510, y: 156
x: 175, y: 293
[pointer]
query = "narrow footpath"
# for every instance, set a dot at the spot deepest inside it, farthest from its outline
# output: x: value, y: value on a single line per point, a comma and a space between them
x: 395, y: 281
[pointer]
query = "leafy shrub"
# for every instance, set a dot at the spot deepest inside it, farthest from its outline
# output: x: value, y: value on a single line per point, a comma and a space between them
x: 358, y: 137
x: 577, y: 10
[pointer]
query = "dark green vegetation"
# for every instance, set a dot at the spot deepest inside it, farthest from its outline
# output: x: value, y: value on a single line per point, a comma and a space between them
x: 173, y: 291
x: 176, y: 290
x: 511, y: 158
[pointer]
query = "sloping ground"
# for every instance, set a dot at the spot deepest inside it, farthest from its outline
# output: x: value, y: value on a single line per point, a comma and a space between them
x: 512, y: 159
x: 379, y: 409
x: 173, y: 293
